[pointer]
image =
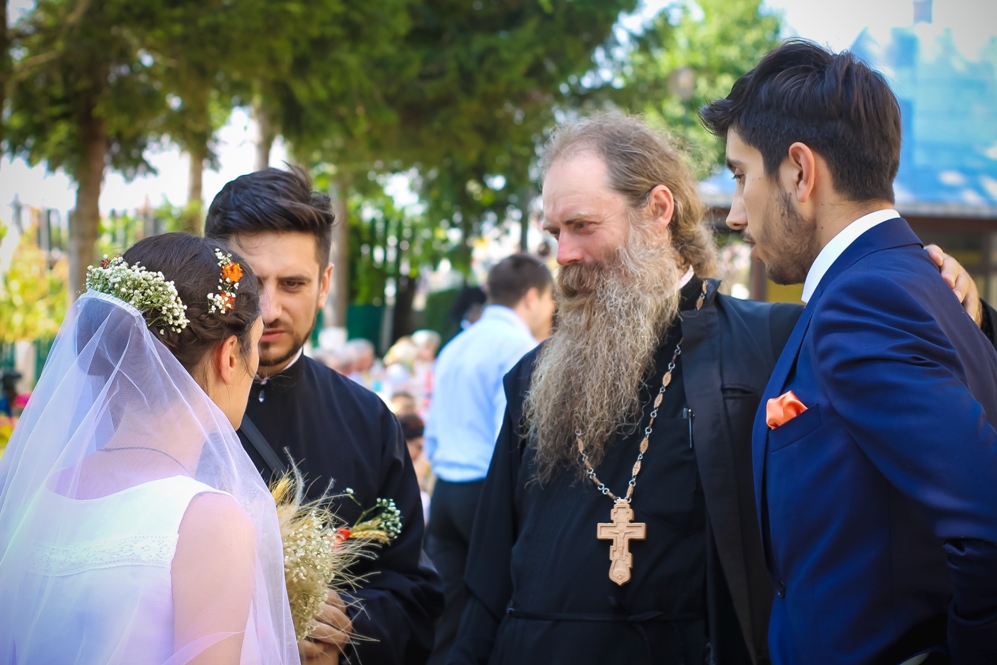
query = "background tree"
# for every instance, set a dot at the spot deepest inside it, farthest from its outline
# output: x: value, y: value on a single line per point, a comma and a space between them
x: 489, y: 78
x: 463, y: 98
x: 85, y: 96
x: 192, y: 46
x: 691, y: 55
x: 320, y: 89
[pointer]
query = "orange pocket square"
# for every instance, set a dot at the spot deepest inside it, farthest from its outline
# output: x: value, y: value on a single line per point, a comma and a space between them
x: 780, y: 410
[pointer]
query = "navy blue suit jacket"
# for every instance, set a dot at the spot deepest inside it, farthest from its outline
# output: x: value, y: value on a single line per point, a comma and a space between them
x: 878, y: 504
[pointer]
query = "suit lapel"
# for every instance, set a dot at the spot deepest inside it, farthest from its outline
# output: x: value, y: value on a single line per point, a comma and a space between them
x: 701, y: 358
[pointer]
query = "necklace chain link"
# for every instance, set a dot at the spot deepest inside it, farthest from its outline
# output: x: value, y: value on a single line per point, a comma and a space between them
x: 666, y: 379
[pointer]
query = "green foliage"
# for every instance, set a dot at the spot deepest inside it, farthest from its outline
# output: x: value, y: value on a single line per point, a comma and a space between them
x: 119, y: 231
x: 689, y: 56
x: 68, y: 70
x: 388, y: 241
x: 490, y: 75
x: 324, y: 65
x: 33, y: 296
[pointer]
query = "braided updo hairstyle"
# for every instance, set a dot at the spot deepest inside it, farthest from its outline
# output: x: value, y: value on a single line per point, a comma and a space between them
x: 190, y: 263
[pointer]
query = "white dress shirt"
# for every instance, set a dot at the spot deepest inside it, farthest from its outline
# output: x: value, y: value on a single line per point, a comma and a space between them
x: 839, y: 244
x: 468, y: 404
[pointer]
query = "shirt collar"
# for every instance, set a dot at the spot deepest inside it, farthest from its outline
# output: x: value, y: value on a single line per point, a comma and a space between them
x: 686, y: 278
x: 838, y: 244
x: 265, y: 380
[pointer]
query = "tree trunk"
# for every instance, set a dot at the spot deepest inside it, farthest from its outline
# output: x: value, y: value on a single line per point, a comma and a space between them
x: 193, y: 214
x: 84, y: 226
x: 524, y: 224
x: 267, y: 132
x: 4, y: 69
x: 340, y: 254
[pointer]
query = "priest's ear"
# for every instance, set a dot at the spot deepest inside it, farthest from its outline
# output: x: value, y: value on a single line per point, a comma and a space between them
x: 661, y: 206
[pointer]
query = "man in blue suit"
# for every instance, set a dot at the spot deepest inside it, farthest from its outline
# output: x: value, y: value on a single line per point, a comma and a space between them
x: 874, y: 449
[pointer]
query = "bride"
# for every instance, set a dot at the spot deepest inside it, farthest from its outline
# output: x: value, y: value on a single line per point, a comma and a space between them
x: 133, y: 527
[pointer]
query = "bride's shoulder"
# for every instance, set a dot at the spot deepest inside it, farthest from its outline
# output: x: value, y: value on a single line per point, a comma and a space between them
x: 216, y: 517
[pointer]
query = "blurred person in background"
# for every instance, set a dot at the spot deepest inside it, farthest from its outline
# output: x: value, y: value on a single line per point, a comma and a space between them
x: 398, y: 365
x: 8, y: 396
x: 468, y: 306
x: 335, y: 359
x: 365, y: 365
x: 427, y: 344
x: 336, y: 431
x: 402, y: 404
x: 466, y: 415
x: 412, y: 429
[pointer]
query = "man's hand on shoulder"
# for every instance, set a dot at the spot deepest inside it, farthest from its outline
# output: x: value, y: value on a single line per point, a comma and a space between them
x: 331, y: 635
x: 959, y: 280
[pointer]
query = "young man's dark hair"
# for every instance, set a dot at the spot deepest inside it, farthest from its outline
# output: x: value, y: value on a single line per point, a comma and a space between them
x: 833, y: 103
x: 511, y: 278
x: 276, y: 201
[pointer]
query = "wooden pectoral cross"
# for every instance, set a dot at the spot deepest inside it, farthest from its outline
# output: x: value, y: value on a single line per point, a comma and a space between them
x: 621, y: 531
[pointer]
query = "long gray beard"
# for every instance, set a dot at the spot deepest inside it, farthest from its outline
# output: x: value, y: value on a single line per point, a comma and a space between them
x: 589, y: 374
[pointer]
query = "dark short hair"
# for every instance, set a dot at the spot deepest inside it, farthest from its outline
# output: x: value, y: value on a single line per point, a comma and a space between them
x: 273, y: 200
x: 412, y: 426
x: 511, y: 278
x: 832, y: 102
x: 190, y: 263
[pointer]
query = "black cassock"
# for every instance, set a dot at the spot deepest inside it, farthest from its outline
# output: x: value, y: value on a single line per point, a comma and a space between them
x: 538, y: 578
x: 336, y: 430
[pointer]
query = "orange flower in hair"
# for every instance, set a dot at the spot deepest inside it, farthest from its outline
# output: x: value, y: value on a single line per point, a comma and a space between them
x: 231, y: 272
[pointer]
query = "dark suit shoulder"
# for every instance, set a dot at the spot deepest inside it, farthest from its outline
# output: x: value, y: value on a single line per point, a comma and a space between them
x: 766, y: 325
x: 518, y: 378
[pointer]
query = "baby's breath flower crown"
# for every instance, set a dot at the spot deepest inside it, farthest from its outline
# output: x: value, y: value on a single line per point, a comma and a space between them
x: 146, y: 291
x: 228, y: 283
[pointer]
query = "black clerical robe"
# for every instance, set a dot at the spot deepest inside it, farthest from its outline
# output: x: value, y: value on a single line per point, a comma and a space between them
x: 538, y: 578
x: 336, y: 430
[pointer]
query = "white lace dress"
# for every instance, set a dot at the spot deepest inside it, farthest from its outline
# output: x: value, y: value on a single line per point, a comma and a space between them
x: 107, y: 567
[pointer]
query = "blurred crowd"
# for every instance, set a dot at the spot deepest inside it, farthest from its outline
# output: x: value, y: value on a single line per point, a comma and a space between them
x: 403, y: 379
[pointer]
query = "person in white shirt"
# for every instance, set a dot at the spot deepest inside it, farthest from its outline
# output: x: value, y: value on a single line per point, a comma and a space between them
x: 466, y: 414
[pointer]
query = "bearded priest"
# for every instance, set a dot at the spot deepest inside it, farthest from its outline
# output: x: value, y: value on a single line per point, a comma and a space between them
x: 617, y: 521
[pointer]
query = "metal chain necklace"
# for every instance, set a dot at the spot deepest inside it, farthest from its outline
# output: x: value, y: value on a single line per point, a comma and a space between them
x: 665, y: 382
x: 623, y: 529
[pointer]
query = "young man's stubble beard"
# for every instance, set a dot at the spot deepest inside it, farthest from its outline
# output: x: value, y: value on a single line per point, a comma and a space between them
x: 798, y: 239
x: 589, y: 373
x: 298, y: 340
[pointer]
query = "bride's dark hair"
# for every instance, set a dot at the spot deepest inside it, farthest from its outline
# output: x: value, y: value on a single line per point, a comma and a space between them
x: 190, y: 263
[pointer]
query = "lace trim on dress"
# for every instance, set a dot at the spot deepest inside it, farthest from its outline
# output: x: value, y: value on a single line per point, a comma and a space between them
x: 133, y: 550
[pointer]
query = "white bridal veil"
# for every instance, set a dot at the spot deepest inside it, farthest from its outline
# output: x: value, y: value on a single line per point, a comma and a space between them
x: 116, y: 442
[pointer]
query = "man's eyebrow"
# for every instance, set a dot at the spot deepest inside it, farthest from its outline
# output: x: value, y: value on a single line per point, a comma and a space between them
x: 583, y: 216
x: 733, y: 164
x: 296, y: 278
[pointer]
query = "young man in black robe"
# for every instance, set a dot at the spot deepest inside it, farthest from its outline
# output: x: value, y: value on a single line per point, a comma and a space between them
x: 617, y: 521
x: 335, y: 430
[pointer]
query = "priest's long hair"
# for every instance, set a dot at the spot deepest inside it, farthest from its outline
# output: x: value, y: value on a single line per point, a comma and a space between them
x: 613, y: 315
